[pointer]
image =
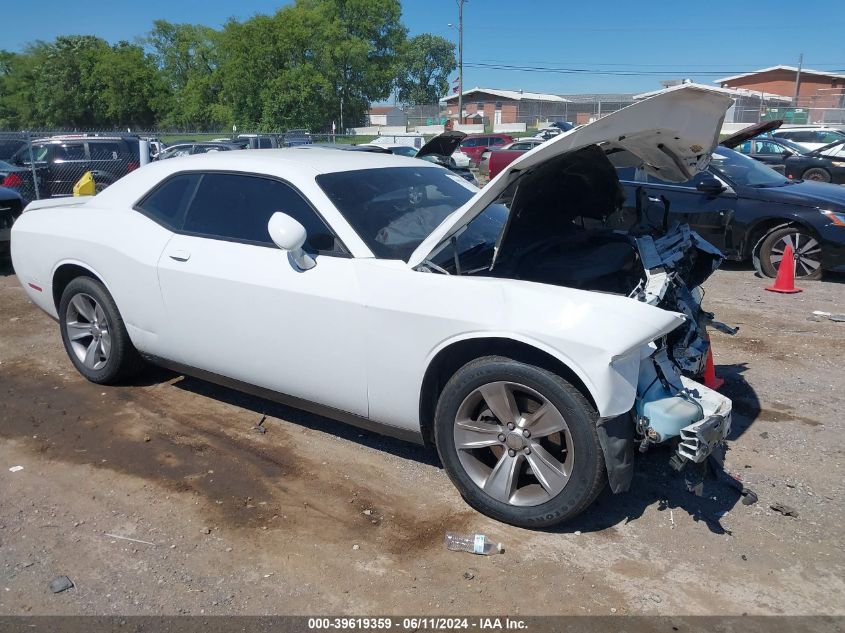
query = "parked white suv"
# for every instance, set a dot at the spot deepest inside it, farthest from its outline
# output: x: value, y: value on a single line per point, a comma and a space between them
x: 811, y: 136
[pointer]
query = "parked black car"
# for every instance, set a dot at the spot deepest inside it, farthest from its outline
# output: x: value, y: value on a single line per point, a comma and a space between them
x: 771, y: 151
x: 19, y: 179
x: 188, y: 149
x: 292, y: 138
x: 826, y: 164
x: 11, y: 206
x: 61, y: 161
x: 258, y: 141
x: 750, y: 211
x: 9, y: 146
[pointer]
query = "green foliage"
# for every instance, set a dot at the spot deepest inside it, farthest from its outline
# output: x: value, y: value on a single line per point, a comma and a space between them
x: 188, y: 59
x: 309, y: 64
x: 426, y: 61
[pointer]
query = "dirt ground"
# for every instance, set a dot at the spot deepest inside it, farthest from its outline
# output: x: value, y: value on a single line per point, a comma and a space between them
x: 314, y: 517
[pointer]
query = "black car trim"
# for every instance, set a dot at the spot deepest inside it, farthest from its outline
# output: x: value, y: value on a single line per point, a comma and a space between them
x: 291, y: 401
x: 345, y: 252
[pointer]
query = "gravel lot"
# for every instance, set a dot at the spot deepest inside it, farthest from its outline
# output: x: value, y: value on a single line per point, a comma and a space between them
x: 316, y: 517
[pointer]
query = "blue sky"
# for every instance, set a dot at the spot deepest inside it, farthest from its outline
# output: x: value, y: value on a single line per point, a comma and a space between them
x: 623, y: 45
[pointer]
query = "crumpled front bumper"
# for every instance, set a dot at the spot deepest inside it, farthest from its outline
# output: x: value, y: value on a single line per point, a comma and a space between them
x: 699, y: 440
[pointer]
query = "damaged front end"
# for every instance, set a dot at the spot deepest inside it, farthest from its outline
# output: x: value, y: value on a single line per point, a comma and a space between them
x: 568, y: 223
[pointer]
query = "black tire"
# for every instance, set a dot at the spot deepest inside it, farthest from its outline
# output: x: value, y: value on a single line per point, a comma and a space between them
x: 122, y: 360
x: 807, y: 264
x: 819, y: 174
x: 588, y: 475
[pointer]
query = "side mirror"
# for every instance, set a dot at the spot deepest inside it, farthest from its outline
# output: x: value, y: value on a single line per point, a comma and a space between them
x: 711, y: 185
x: 289, y: 235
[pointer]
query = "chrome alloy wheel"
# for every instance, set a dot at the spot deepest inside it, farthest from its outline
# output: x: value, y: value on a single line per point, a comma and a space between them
x: 513, y: 443
x: 88, y: 331
x: 806, y: 250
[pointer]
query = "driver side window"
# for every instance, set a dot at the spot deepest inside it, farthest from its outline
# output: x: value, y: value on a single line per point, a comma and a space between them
x: 237, y: 207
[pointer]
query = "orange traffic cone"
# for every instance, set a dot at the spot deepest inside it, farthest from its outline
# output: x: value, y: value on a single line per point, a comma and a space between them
x: 785, y: 280
x: 711, y: 380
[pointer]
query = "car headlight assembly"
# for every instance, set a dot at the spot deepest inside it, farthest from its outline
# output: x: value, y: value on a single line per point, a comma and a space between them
x: 838, y: 219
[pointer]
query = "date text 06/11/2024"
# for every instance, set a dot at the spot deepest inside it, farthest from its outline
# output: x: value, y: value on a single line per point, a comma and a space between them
x: 418, y: 623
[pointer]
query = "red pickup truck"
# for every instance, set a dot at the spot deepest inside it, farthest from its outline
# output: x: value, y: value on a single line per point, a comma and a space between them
x: 499, y: 158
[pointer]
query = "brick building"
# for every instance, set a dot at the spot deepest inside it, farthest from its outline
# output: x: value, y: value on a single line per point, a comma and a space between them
x: 823, y: 93
x: 386, y: 115
x: 494, y: 106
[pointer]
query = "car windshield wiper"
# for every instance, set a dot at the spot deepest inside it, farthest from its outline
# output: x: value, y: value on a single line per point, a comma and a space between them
x: 768, y: 185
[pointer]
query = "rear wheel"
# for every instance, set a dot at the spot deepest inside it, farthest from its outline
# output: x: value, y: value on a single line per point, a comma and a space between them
x: 94, y: 334
x: 818, y: 174
x: 806, y: 249
x: 519, y: 442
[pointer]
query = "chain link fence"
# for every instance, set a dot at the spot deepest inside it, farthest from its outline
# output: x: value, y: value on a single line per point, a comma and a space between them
x: 48, y: 163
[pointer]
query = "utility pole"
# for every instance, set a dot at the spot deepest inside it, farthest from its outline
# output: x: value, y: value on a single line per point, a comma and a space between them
x: 798, y: 79
x: 460, y: 61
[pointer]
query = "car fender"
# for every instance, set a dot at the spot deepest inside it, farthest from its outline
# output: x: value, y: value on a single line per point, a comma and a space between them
x: 80, y: 264
x: 755, y: 250
x: 570, y: 363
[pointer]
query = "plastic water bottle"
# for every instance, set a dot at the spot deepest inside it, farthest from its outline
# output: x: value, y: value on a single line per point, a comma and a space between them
x: 472, y: 543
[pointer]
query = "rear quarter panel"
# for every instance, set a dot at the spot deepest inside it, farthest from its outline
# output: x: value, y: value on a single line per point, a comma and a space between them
x: 121, y: 247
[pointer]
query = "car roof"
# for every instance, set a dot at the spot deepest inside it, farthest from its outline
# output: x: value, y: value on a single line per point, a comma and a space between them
x: 58, y: 140
x: 810, y: 128
x: 305, y: 161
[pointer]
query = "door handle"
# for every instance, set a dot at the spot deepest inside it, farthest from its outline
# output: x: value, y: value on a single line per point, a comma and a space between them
x: 180, y: 255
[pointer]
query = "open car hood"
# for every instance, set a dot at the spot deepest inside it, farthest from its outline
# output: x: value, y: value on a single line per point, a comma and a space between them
x: 442, y: 145
x: 670, y: 135
x: 823, y: 151
x: 752, y: 131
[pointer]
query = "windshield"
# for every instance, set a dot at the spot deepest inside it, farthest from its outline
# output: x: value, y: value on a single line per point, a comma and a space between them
x: 742, y: 170
x: 394, y: 209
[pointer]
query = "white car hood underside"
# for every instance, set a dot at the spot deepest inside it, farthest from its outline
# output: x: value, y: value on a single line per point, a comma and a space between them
x: 670, y: 135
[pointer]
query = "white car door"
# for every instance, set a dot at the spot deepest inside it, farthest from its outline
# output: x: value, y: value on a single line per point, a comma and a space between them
x: 237, y: 307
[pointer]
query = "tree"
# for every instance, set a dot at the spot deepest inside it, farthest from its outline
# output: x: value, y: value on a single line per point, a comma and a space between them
x: 133, y: 92
x: 17, y: 75
x: 66, y: 86
x: 296, y: 68
x: 188, y: 56
x: 426, y: 61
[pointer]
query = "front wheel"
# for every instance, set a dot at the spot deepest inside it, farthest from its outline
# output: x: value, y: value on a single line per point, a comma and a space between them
x: 806, y: 250
x: 519, y: 442
x: 94, y: 334
x: 816, y: 173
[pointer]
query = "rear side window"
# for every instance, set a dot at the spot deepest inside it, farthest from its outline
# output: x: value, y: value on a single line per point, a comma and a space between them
x: 104, y: 151
x: 69, y: 151
x: 166, y: 203
x: 497, y: 141
x: 826, y: 136
x: 799, y: 137
x: 470, y: 142
x: 238, y: 207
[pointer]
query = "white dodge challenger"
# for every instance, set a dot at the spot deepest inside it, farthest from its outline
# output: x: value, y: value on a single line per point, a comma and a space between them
x: 534, y: 332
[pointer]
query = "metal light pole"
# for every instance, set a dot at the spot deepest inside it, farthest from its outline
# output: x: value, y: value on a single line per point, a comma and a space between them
x: 460, y: 61
x: 798, y: 79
